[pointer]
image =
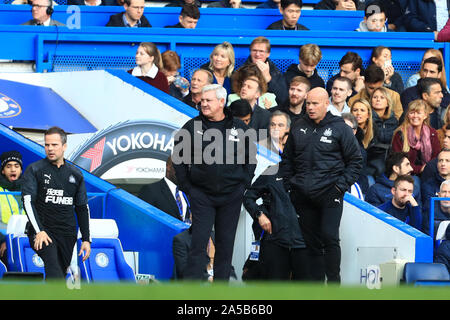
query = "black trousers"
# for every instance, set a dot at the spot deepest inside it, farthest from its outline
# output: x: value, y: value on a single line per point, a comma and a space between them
x: 222, y: 212
x: 319, y: 221
x: 56, y: 256
x: 280, y: 263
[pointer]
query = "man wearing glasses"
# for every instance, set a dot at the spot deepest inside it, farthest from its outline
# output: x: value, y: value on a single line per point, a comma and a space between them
x: 133, y: 16
x: 42, y: 11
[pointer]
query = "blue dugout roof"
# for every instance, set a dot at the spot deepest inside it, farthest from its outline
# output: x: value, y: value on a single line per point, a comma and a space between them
x: 34, y: 107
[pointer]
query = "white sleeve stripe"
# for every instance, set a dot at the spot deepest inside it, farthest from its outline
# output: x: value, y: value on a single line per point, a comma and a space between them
x: 30, y: 213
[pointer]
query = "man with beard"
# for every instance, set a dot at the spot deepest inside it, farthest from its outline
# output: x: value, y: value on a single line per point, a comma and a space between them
x: 10, y: 180
x: 397, y: 164
x: 295, y: 105
x: 403, y: 206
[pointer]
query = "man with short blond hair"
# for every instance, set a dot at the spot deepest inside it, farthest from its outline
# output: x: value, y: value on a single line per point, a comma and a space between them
x: 309, y: 57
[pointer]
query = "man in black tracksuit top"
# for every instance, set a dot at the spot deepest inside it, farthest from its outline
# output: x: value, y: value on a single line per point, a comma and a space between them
x: 320, y: 162
x: 214, y: 162
x: 283, y: 250
x: 51, y: 189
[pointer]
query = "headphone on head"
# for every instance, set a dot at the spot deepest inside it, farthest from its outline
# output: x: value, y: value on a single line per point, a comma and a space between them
x: 50, y: 8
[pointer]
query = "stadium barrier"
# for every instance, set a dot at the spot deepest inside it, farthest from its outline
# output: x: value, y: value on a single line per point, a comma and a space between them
x: 143, y: 228
x: 160, y: 17
x: 94, y: 48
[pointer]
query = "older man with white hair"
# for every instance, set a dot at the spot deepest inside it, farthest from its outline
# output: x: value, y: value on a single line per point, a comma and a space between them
x: 214, y: 161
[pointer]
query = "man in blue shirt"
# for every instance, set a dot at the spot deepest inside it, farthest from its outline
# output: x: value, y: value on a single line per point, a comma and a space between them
x: 403, y: 206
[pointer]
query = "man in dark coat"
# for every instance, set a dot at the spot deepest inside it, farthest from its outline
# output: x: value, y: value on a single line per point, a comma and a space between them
x: 132, y: 17
x: 320, y: 162
x: 291, y: 10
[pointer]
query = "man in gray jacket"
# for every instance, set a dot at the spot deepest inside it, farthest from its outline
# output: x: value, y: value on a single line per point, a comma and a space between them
x: 42, y: 11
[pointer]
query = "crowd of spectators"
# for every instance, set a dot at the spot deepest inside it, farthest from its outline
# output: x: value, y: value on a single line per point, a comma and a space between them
x: 402, y: 126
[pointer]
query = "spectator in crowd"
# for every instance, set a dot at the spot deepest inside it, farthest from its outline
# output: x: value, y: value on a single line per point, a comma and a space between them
x: 384, y: 123
x: 431, y: 167
x: 442, y: 132
x: 280, y: 123
x: 442, y: 211
x: 309, y: 57
x: 92, y: 2
x: 412, y: 80
x: 133, y: 16
x: 242, y: 110
x: 403, y: 206
x: 430, y: 90
x: 442, y: 254
x: 41, y: 11
x: 221, y: 65
x: 200, y: 78
x: 283, y: 254
x: 350, y: 66
x: 266, y: 100
x: 149, y: 66
x: 373, y: 79
x: 425, y: 16
x: 181, y: 3
x: 320, y: 140
x: 260, y: 55
x: 431, y: 186
x: 290, y: 10
x: 269, y: 4
x: 362, y: 111
x: 295, y: 106
x: 215, y: 190
x: 432, y: 68
x: 235, y: 4
x: 382, y: 57
x: 347, y: 5
x: 10, y: 180
x: 397, y: 164
x: 395, y: 11
x: 360, y: 187
x: 416, y: 137
x: 251, y: 90
x: 374, y: 18
x: 444, y: 34
x: 171, y: 64
x: 340, y: 91
x: 188, y: 19
x: 166, y: 196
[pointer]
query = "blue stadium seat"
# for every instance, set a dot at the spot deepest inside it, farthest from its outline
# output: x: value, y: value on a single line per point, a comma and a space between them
x: 28, y: 259
x: 106, y: 262
x: 16, y: 228
x: 2, y: 269
x: 424, y: 272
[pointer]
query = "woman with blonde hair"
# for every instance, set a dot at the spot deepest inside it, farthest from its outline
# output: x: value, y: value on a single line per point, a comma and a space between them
x: 415, y: 137
x: 221, y: 65
x: 149, y: 66
x: 363, y: 113
x: 441, y: 131
x: 384, y: 124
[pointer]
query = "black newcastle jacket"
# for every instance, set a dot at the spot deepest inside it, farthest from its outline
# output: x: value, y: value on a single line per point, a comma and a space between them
x: 49, y: 195
x: 234, y: 156
x: 277, y: 206
x: 318, y: 157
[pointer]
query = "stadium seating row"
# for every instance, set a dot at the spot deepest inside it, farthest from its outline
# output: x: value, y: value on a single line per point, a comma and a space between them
x: 160, y: 17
